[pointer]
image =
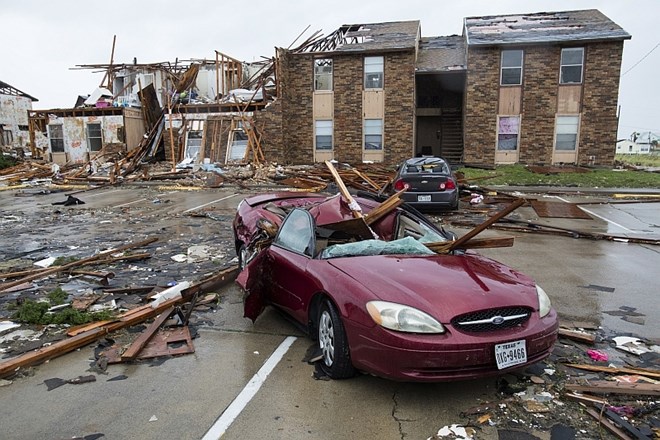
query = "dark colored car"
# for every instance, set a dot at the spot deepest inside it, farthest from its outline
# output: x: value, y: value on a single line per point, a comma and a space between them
x: 378, y: 300
x: 428, y: 181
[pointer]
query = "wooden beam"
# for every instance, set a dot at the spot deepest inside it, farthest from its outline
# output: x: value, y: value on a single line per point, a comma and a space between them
x: 384, y: 208
x: 352, y: 204
x: 146, y: 335
x: 577, y: 336
x: 608, y: 424
x: 609, y: 387
x: 602, y: 369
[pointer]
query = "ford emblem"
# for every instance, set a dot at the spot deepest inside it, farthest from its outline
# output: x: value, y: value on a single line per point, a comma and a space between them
x: 497, y: 320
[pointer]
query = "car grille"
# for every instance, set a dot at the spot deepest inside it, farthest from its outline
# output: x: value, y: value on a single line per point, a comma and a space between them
x: 492, y: 320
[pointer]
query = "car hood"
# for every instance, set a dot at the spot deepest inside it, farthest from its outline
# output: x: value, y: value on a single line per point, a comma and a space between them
x: 441, y: 285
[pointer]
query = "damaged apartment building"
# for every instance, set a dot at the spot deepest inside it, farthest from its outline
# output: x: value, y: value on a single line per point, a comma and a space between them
x: 538, y: 88
x: 14, y: 129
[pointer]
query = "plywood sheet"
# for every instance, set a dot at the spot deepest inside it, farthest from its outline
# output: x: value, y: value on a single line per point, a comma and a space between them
x: 510, y: 98
x: 568, y: 99
x: 558, y: 209
x: 323, y: 105
x: 373, y: 104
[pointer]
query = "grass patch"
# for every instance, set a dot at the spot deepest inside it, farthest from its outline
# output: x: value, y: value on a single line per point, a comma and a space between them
x: 517, y: 174
x: 58, y: 296
x: 644, y: 160
x: 36, y: 312
x: 61, y: 261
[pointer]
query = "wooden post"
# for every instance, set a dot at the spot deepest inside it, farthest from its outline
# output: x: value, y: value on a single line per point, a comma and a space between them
x: 352, y: 204
x: 169, y: 112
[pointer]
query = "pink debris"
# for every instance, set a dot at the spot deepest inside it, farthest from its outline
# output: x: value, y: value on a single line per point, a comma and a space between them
x: 597, y: 355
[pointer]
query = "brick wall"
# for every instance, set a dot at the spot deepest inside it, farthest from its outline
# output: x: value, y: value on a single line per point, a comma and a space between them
x: 296, y: 85
x: 269, y: 122
x: 599, y: 124
x: 399, y: 107
x: 539, y: 104
x: 481, y: 105
x: 347, y: 81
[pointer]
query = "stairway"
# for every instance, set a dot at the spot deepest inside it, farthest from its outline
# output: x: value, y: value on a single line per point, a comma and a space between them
x: 451, y: 141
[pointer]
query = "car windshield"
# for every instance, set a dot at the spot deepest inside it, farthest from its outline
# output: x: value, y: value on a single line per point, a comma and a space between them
x: 427, y: 165
x: 402, y: 246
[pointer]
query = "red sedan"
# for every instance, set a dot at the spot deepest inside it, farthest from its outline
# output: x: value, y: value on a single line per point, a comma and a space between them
x: 378, y: 300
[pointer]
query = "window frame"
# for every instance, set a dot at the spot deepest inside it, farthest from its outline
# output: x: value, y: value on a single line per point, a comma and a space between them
x: 331, y: 126
x: 51, y: 137
x: 310, y: 245
x: 318, y: 76
x: 499, y: 126
x: 366, y: 133
x: 577, y: 133
x: 369, y: 70
x: 563, y: 65
x: 519, y: 68
x: 92, y: 146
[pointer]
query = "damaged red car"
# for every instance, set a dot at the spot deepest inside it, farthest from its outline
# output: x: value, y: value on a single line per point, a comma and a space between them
x: 377, y: 299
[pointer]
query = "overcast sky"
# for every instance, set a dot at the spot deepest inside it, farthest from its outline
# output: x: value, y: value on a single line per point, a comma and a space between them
x: 43, y: 41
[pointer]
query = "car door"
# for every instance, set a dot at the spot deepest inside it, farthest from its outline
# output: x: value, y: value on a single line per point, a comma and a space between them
x: 287, y: 258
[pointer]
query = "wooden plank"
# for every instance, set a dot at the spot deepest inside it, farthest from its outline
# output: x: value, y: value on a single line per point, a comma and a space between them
x: 602, y: 369
x: 577, y: 336
x: 608, y: 424
x: 510, y: 98
x: 352, y: 204
x: 56, y: 269
x: 609, y: 387
x: 385, y: 208
x: 146, y: 335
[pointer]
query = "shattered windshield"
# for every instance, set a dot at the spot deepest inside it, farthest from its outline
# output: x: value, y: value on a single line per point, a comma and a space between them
x: 403, y: 246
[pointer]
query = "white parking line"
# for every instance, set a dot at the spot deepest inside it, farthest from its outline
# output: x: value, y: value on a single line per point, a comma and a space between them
x: 209, y: 203
x: 240, y: 402
x: 596, y: 215
x: 98, y: 194
x: 129, y: 203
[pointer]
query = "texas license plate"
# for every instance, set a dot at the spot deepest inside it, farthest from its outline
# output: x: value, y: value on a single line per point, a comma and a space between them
x: 426, y: 198
x: 510, y: 354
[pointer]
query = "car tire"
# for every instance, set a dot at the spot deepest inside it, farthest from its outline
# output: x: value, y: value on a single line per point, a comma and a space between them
x: 333, y: 344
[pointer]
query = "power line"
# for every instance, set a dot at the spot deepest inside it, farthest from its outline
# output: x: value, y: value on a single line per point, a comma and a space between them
x: 635, y: 65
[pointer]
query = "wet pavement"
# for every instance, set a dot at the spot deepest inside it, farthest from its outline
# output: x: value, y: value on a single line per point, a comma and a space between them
x: 608, y: 284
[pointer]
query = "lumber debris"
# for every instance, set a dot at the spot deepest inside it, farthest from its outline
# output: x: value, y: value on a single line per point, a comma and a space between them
x: 614, y: 370
x: 98, y: 330
x: 579, y: 336
x: 609, y: 387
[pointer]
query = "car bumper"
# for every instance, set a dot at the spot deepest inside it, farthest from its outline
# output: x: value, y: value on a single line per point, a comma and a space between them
x: 445, y: 198
x: 450, y: 356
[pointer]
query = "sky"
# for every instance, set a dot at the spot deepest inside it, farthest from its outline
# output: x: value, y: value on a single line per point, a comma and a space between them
x: 44, y: 41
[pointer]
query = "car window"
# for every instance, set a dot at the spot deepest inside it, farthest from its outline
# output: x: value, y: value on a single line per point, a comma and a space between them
x: 297, y: 232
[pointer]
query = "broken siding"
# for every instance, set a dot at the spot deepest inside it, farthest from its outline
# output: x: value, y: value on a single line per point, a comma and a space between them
x: 74, y: 132
x: 14, y: 118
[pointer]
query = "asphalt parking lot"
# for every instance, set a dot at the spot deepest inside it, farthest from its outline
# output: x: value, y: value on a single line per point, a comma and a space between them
x: 250, y: 380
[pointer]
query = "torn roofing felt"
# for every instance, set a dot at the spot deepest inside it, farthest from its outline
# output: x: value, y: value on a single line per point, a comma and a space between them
x: 441, y: 54
x: 6, y: 89
x: 542, y: 27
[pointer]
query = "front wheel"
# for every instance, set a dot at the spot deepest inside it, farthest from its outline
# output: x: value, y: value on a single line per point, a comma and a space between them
x: 333, y: 344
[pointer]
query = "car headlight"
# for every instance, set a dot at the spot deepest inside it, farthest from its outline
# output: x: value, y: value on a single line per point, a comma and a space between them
x: 402, y: 318
x: 544, y: 301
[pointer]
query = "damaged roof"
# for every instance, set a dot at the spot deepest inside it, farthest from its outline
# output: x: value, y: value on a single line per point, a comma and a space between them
x: 441, y: 54
x: 379, y: 36
x: 542, y: 27
x: 6, y: 89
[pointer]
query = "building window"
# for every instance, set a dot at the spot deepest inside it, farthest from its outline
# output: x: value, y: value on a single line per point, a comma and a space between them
x: 323, y: 74
x: 566, y: 133
x: 373, y: 134
x: 56, y: 137
x: 6, y: 137
x: 323, y: 134
x: 193, y: 144
x: 508, y: 133
x: 373, y: 72
x: 571, y: 65
x: 512, y: 66
x: 94, y: 137
x: 238, y: 143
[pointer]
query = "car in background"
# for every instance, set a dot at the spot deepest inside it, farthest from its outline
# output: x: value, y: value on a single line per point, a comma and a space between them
x: 428, y: 181
x: 377, y: 299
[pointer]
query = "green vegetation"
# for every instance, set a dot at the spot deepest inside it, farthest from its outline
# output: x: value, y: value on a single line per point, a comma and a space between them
x: 36, y: 312
x: 61, y: 261
x: 6, y: 161
x: 644, y: 160
x: 58, y: 296
x: 597, y: 178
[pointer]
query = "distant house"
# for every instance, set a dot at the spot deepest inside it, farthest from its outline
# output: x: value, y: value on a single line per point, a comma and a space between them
x: 14, y: 127
x: 626, y: 146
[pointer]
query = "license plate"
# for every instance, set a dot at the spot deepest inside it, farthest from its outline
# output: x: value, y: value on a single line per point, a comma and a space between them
x: 424, y: 198
x: 510, y: 354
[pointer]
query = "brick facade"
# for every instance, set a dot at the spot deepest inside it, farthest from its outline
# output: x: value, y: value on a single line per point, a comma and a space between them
x: 598, y: 127
x: 347, y: 80
x: 539, y: 104
x: 399, y: 139
x: 599, y: 104
x: 481, y: 105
